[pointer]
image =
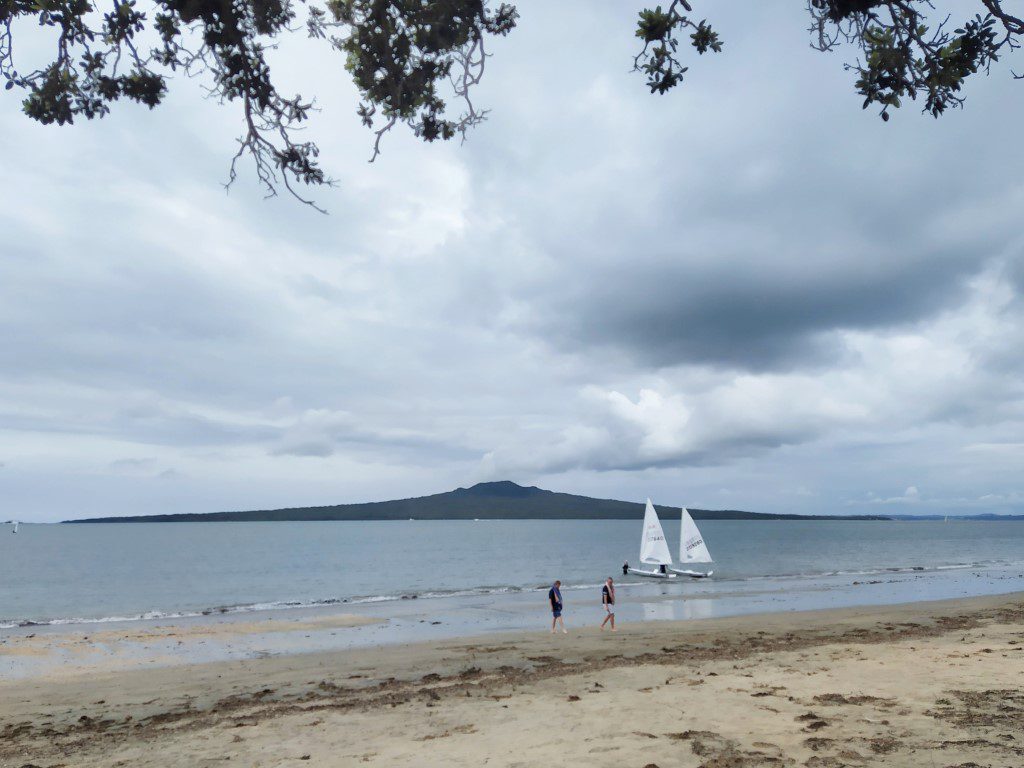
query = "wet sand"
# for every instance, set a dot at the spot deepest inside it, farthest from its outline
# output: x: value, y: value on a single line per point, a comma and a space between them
x: 64, y: 652
x: 924, y: 684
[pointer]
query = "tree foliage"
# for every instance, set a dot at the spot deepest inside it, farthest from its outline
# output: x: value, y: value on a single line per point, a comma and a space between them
x: 416, y: 62
x: 905, y: 55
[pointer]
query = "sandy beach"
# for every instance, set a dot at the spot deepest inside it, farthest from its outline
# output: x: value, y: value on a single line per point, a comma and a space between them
x: 924, y: 684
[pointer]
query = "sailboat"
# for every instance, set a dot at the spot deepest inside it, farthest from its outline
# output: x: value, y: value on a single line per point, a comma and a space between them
x: 692, y: 548
x: 15, y: 527
x: 653, y: 547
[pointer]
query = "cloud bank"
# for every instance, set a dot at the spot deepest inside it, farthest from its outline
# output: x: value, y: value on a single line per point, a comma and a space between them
x: 747, y: 293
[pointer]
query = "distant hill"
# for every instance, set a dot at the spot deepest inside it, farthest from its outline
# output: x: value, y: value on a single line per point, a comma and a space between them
x: 955, y: 518
x: 487, y: 501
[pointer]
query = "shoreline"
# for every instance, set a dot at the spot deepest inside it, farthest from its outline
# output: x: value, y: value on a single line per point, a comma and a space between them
x: 68, y: 650
x: 97, y: 716
x: 335, y: 603
x: 264, y: 572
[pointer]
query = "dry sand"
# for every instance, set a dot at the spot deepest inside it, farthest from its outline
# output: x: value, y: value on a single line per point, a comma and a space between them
x: 928, y: 684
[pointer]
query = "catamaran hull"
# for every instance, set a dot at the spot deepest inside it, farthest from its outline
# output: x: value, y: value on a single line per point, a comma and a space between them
x: 652, y: 574
x: 691, y: 574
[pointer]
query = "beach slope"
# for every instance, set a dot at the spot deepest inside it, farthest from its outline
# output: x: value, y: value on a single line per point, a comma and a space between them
x: 926, y: 684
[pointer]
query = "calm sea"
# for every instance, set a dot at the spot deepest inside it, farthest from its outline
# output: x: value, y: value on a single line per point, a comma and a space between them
x: 72, y: 573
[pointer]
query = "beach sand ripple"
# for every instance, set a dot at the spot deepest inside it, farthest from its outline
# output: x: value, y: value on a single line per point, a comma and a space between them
x: 928, y: 684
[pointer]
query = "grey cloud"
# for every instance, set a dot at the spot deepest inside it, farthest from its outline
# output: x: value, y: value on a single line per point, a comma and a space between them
x: 143, y: 419
x: 133, y: 465
x: 796, y: 282
x: 752, y: 317
x: 745, y: 240
x: 322, y: 448
x: 143, y: 467
x: 323, y: 433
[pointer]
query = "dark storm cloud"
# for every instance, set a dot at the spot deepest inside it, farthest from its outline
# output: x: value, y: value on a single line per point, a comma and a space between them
x: 752, y: 317
x: 727, y: 242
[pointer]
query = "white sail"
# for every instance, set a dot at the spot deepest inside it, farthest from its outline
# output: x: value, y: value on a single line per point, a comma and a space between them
x: 15, y: 527
x: 653, y: 547
x: 692, y: 548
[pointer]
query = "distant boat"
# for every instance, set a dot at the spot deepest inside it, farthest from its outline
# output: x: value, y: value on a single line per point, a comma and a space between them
x: 692, y: 548
x: 15, y: 530
x: 653, y: 547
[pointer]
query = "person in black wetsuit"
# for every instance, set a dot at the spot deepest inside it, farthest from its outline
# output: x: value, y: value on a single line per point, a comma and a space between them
x: 625, y: 569
x: 662, y: 568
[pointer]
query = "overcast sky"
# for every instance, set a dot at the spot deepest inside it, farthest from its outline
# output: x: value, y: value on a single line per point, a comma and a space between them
x: 746, y: 294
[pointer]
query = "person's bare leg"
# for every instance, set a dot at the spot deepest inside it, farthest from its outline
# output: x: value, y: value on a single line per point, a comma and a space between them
x: 562, y: 622
x: 612, y: 617
x: 554, y: 621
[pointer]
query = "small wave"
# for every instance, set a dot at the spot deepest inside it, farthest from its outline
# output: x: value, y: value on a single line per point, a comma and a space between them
x: 147, y: 616
x: 719, y: 581
x: 877, y: 571
x: 276, y: 605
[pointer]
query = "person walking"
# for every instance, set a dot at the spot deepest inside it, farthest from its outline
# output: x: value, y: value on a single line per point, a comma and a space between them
x: 608, y: 601
x: 555, y: 597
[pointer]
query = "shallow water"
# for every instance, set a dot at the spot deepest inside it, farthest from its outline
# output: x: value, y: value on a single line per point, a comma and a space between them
x: 110, y: 572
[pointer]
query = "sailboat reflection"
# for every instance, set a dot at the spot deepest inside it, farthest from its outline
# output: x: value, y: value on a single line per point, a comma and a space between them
x: 677, y: 610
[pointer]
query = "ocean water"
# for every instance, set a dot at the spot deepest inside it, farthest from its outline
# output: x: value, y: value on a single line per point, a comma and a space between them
x: 66, y: 574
